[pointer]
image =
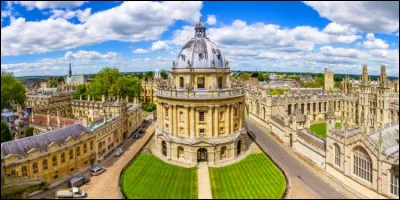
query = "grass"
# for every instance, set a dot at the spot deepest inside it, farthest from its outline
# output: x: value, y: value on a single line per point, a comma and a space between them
x: 254, y: 177
x: 320, y: 129
x: 148, y: 177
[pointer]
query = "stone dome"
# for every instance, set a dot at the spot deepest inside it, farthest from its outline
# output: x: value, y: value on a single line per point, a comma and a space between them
x: 200, y: 51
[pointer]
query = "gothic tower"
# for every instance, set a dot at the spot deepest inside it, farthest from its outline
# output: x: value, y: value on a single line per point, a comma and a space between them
x: 70, y: 70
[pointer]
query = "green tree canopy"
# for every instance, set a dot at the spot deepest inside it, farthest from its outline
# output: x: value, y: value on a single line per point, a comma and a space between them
x: 28, y: 131
x: 164, y: 75
x: 244, y: 76
x: 254, y: 75
x: 149, y: 107
x: 139, y: 75
x: 12, y: 90
x: 80, y: 90
x: 60, y: 79
x: 266, y: 78
x: 260, y: 77
x: 149, y: 74
x: 102, y: 82
x: 5, y: 132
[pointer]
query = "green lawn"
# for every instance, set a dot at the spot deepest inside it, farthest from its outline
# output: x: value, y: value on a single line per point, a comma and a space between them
x: 320, y: 129
x: 254, y: 177
x: 148, y: 177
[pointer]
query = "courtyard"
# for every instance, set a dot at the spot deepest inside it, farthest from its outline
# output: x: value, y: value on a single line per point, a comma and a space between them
x: 254, y: 177
x: 319, y: 129
x: 148, y: 177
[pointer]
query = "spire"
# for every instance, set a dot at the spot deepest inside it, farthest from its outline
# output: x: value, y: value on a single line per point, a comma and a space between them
x: 383, y: 75
x: 200, y: 29
x: 70, y: 70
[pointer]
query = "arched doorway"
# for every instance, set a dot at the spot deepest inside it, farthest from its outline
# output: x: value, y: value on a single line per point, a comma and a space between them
x: 239, y: 148
x: 164, y: 148
x: 202, y: 155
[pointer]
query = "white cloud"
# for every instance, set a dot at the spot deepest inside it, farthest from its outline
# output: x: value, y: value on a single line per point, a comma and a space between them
x: 272, y: 47
x: 90, y: 55
x: 374, y: 43
x: 130, y: 21
x: 140, y: 51
x: 82, y: 15
x: 367, y: 16
x: 211, y: 19
x: 159, y: 45
x: 30, y: 5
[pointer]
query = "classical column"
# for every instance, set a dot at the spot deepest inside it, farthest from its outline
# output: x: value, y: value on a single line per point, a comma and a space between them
x: 216, y: 118
x: 231, y: 118
x: 176, y: 120
x: 187, y: 130
x: 193, y: 122
x: 48, y: 118
x: 162, y: 116
x: 226, y: 119
x: 172, y: 119
x: 210, y: 121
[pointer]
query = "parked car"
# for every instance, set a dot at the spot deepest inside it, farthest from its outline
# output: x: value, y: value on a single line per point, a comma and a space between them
x: 118, y: 152
x: 136, y: 136
x: 97, y: 170
x: 73, y: 192
x: 77, y: 181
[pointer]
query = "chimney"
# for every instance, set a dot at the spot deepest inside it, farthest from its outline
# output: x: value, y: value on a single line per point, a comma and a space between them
x: 48, y: 118
x: 58, y: 119
x: 32, y: 117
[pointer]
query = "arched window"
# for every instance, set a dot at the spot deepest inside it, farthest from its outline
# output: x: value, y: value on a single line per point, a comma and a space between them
x: 337, y: 155
x: 181, y: 82
x: 257, y: 107
x: 362, y: 164
x: 220, y: 82
x: 223, y: 153
x: 164, y: 148
x: 181, y: 152
x: 35, y: 169
x: 264, y: 111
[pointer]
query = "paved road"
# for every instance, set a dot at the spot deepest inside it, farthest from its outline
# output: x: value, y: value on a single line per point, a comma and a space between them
x: 305, y: 184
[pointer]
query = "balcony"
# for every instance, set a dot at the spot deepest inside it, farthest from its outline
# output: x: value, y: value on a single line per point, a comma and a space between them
x: 200, y: 93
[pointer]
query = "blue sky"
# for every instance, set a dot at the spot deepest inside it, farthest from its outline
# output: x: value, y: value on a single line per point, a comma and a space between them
x: 41, y: 38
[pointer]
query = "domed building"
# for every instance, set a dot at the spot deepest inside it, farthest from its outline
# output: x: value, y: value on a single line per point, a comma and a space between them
x: 200, y: 114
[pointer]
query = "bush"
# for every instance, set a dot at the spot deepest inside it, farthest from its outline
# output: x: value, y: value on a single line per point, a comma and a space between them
x: 149, y: 107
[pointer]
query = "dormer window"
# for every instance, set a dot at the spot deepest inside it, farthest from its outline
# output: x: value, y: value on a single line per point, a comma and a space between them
x: 183, y: 57
x: 201, y: 56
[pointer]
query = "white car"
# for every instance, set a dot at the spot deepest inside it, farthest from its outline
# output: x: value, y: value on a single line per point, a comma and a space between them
x: 97, y: 170
x: 73, y: 192
x: 118, y: 152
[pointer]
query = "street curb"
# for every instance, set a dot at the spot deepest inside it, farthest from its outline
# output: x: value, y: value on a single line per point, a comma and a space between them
x: 288, y: 182
x: 129, y: 163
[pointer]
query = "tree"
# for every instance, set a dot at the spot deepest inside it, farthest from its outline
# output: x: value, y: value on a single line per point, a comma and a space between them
x: 28, y: 131
x: 149, y: 107
x: 164, y: 75
x: 254, y: 75
x: 81, y: 90
x: 53, y: 83
x: 5, y: 132
x: 244, y: 76
x: 12, y: 91
x: 260, y: 77
x: 266, y: 78
x: 149, y: 74
x: 103, y: 81
x: 140, y: 75
x: 60, y: 79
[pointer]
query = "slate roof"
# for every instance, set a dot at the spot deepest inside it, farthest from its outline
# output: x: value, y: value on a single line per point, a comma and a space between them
x: 22, y: 146
x: 41, y: 120
x: 390, y: 139
x: 75, y: 80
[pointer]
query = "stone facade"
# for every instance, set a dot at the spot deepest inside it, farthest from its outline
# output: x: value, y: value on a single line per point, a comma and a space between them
x: 363, y: 154
x: 65, y: 150
x: 200, y: 115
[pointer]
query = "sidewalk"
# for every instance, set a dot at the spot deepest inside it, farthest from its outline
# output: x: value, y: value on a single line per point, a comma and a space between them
x: 204, y: 182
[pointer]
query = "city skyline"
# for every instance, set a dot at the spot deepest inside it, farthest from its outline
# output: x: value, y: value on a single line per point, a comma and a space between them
x: 273, y: 36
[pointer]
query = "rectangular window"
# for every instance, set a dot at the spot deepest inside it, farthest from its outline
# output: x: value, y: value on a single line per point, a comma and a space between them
x: 44, y: 163
x: 201, y: 116
x: 200, y: 82
x: 35, y: 168
x: 84, y: 148
x: 201, y: 131
x: 91, y: 145
x: 78, y: 151
x: 181, y: 82
x: 166, y: 126
x: 181, y: 130
x: 24, y: 171
x: 71, y: 154
x: 337, y: 155
x: 221, y: 129
x: 220, y: 82
x: 236, y: 126
x: 62, y: 157
x: 236, y: 111
x: 394, y: 185
x: 221, y: 116
x: 54, y: 160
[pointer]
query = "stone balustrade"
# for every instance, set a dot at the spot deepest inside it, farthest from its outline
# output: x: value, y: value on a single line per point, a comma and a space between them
x: 201, y: 94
